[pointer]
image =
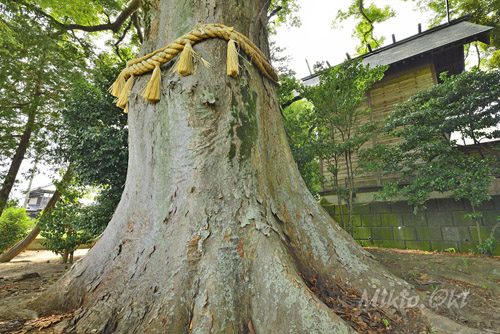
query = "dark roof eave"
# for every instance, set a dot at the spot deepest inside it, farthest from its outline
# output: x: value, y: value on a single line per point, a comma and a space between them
x: 476, y: 37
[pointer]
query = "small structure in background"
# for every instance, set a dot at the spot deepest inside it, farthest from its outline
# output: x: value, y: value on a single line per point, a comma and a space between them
x: 38, y: 199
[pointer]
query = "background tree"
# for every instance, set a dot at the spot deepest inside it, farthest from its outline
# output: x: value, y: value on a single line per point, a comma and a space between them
x: 93, y: 138
x: 29, y: 76
x: 62, y: 228
x: 366, y: 17
x: 300, y: 127
x: 340, y: 127
x: 442, y: 130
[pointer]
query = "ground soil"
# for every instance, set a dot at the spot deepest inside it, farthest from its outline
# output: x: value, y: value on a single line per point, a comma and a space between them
x: 23, y: 278
x: 462, y: 287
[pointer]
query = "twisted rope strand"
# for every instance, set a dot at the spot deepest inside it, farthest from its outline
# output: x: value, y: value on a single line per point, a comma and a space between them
x: 123, y: 84
x: 161, y: 56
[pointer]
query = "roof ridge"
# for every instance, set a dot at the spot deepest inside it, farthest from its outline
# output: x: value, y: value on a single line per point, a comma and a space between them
x: 418, y: 35
x: 403, y: 41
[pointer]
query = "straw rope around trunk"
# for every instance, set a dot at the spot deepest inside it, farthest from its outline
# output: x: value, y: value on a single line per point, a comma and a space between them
x: 122, y: 86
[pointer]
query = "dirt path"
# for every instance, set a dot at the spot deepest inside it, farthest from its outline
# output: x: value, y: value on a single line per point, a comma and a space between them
x: 30, y: 273
x: 462, y: 287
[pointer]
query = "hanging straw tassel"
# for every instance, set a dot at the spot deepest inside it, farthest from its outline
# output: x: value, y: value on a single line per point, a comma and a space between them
x: 123, y: 99
x: 117, y: 87
x: 233, y: 69
x: 185, y: 65
x: 152, y: 91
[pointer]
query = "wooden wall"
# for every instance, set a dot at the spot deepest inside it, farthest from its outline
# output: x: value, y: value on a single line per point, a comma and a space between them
x: 397, y: 87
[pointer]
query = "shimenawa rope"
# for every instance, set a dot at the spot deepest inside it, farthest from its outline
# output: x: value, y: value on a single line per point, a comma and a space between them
x: 122, y: 86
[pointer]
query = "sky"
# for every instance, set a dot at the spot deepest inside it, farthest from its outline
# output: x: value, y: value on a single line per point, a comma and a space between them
x: 314, y: 40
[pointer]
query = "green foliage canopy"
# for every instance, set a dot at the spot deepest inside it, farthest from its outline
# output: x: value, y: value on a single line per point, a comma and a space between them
x: 93, y: 138
x: 283, y: 12
x: 37, y: 71
x: 300, y: 128
x: 82, y: 12
x: 467, y: 105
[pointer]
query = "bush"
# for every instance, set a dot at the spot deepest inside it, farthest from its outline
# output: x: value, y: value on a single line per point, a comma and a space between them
x: 488, y: 246
x: 14, y: 225
x: 62, y: 227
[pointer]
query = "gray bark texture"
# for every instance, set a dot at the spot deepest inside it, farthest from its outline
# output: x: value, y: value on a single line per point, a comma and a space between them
x: 216, y: 232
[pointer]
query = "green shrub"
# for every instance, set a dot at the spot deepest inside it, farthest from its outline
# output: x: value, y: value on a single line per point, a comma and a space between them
x: 14, y: 225
x: 62, y: 227
x: 488, y: 246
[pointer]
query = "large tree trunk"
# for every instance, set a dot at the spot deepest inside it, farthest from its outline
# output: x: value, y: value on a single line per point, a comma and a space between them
x: 216, y: 232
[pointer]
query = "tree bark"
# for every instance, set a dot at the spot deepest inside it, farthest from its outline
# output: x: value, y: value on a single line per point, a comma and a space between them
x: 216, y: 232
x: 23, y: 244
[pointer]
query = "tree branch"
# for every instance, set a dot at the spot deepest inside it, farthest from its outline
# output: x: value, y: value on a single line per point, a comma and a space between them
x: 114, y: 26
x: 121, y: 39
x: 288, y: 103
x: 274, y: 12
x: 15, y: 105
x: 478, y: 55
x: 137, y: 25
x: 107, y: 16
x: 370, y: 22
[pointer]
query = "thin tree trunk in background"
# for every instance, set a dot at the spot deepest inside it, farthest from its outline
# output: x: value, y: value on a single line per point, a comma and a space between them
x: 478, y: 228
x: 23, y: 244
x: 24, y: 143
x: 64, y: 257
x: 18, y: 158
x: 349, y: 188
x: 20, y: 246
x: 32, y: 176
